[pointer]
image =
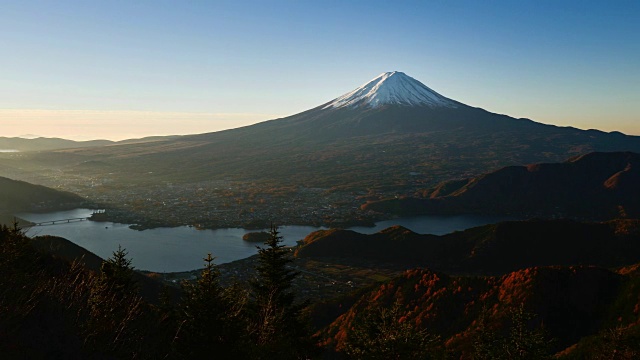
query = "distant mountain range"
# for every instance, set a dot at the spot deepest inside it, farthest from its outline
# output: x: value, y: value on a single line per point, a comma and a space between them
x: 44, y: 144
x: 596, y: 185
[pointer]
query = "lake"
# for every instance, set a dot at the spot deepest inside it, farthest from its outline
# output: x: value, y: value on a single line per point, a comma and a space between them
x: 183, y: 248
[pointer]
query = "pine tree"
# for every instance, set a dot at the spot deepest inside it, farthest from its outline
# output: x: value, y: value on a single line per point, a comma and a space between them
x: 117, y: 272
x: 274, y: 278
x: 116, y: 323
x: 15, y: 248
x: 278, y: 329
x: 210, y: 322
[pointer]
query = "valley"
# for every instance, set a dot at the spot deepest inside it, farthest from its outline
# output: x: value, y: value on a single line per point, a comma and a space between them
x: 463, y: 305
x: 313, y: 168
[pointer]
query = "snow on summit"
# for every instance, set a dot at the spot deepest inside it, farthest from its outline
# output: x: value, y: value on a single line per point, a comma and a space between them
x: 395, y: 88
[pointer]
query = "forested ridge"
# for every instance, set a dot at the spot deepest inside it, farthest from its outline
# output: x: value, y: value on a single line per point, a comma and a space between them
x: 53, y: 308
x: 18, y: 196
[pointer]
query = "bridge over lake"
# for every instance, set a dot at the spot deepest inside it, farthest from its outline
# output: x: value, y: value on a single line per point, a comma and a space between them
x: 60, y: 221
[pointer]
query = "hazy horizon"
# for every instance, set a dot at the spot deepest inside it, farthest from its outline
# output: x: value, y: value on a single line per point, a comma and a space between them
x: 82, y: 125
x: 119, y: 70
x: 140, y: 124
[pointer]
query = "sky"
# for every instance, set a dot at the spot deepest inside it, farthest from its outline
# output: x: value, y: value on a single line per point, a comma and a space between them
x: 126, y: 69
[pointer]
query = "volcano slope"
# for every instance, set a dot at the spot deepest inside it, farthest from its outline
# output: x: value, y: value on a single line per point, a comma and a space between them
x: 393, y: 132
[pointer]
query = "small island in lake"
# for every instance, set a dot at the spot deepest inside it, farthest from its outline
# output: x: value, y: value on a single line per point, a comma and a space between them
x: 256, y: 236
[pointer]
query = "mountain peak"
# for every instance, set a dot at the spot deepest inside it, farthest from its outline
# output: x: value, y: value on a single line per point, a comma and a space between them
x: 392, y: 88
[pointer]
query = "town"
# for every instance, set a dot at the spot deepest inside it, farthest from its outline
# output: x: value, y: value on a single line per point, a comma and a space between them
x: 226, y: 204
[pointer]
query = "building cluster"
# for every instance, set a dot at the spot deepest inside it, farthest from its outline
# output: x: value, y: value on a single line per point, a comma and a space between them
x: 224, y: 204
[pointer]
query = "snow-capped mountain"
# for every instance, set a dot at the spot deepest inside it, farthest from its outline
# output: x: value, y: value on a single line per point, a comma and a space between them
x: 392, y: 88
x: 391, y: 132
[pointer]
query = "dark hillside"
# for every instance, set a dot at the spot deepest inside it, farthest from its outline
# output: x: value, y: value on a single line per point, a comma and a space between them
x: 593, y: 186
x: 66, y: 250
x: 53, y: 309
x: 491, y: 249
x: 16, y: 196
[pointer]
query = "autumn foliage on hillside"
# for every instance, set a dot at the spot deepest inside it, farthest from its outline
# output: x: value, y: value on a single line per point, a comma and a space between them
x: 561, y: 304
x: 52, y: 308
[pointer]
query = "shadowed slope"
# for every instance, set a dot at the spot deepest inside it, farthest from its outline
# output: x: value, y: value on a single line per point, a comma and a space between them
x: 596, y: 185
x: 492, y: 249
x: 18, y: 196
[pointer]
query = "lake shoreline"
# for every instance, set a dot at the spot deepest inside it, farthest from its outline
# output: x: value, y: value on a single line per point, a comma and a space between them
x: 138, y: 224
x: 182, y: 248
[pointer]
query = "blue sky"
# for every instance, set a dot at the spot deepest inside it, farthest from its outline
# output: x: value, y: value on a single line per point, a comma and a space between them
x: 118, y: 69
